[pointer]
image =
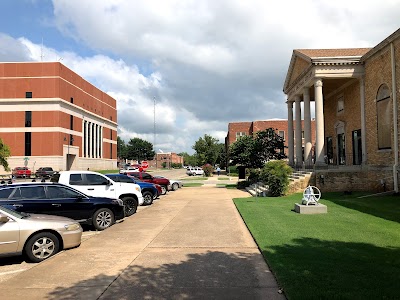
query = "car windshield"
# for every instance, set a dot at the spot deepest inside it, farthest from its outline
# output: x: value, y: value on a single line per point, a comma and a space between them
x: 19, y: 215
x: 125, y: 178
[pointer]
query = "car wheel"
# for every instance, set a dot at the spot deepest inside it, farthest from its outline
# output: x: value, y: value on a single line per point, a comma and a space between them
x: 147, y: 198
x: 163, y: 190
x: 41, y: 246
x: 103, y: 218
x: 130, y: 206
x: 175, y: 186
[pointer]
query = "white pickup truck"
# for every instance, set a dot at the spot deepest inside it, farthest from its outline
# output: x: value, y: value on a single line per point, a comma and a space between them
x: 98, y: 185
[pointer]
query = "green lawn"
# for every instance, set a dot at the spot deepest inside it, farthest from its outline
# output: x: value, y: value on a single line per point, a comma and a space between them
x: 193, y: 184
x: 193, y: 178
x: 352, y: 252
x: 223, y: 178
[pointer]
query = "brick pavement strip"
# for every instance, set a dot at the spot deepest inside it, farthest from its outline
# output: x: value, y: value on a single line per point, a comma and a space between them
x: 190, y: 244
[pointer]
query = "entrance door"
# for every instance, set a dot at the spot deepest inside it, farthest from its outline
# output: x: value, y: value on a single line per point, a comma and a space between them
x: 357, y: 150
x: 341, y: 149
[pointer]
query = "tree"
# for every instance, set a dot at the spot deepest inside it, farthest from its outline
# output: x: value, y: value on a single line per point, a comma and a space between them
x: 206, y: 150
x: 255, y: 152
x: 138, y: 149
x: 4, y: 154
x: 188, y: 160
x: 121, y: 148
x: 222, y: 157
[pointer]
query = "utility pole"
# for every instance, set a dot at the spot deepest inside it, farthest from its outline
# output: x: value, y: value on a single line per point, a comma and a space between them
x: 154, y: 145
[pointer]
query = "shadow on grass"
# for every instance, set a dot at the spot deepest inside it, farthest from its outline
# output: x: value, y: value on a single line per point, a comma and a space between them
x: 314, y: 269
x: 386, y: 207
x: 210, y: 275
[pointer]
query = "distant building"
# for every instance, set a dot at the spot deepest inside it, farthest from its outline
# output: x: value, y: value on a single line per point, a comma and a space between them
x: 50, y: 116
x: 238, y: 129
x: 169, y: 158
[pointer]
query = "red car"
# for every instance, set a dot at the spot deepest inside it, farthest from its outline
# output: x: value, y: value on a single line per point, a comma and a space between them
x: 146, y: 177
x: 22, y: 172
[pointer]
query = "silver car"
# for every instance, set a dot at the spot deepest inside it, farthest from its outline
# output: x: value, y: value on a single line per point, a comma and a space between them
x: 36, y: 236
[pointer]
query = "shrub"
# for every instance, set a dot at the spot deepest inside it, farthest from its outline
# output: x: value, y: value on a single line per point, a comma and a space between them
x: 208, y: 170
x: 164, y: 164
x: 275, y: 174
x: 233, y: 170
x: 254, y: 176
x: 242, y: 184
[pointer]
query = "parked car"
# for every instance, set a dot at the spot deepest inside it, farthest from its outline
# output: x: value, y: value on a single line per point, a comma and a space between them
x: 99, y: 185
x: 195, y: 171
x: 61, y: 200
x: 36, y: 236
x: 146, y: 177
x: 174, y: 184
x: 150, y: 191
x: 21, y: 172
x: 128, y: 169
x: 44, y: 172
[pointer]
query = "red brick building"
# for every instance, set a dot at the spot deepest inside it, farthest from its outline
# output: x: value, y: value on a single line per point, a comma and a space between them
x: 238, y: 129
x: 50, y: 116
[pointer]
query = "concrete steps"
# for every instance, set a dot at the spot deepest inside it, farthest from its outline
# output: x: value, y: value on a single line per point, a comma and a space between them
x: 258, y: 189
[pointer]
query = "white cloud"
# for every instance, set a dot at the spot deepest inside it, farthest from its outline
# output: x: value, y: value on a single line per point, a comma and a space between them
x: 206, y: 62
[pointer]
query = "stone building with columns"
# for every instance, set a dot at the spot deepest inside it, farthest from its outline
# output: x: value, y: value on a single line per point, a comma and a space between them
x: 52, y: 117
x: 355, y: 96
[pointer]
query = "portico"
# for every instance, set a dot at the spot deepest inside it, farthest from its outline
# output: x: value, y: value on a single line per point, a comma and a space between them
x: 320, y: 80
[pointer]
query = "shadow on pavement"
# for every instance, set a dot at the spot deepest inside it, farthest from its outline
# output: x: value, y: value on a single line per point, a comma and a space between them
x: 210, y: 275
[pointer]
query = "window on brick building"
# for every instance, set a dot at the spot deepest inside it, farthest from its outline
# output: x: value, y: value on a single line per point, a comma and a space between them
x: 281, y: 133
x: 28, y: 94
x: 239, y: 134
x: 383, y: 118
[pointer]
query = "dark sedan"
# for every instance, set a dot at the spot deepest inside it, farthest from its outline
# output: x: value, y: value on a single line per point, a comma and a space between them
x: 61, y: 200
x: 150, y: 191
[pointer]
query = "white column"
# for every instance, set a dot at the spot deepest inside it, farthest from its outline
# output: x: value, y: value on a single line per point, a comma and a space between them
x: 307, y: 126
x: 96, y: 141
x: 87, y: 138
x: 101, y: 141
x: 319, y: 120
x: 290, y: 137
x: 363, y: 126
x: 90, y: 139
x: 297, y: 132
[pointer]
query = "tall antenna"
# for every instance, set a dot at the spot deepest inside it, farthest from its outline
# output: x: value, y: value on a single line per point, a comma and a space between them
x: 41, y: 51
x: 154, y: 99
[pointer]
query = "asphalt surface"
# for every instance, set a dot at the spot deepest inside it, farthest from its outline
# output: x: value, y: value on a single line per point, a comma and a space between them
x: 189, y: 244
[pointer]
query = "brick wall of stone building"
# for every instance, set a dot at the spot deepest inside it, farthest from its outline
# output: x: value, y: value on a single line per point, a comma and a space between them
x: 299, y: 66
x: 351, y: 116
x: 378, y: 72
x: 368, y: 179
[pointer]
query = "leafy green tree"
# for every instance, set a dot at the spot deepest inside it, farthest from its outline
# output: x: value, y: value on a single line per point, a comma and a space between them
x: 121, y: 148
x: 275, y: 174
x: 222, y: 157
x: 4, y: 154
x: 138, y: 149
x: 206, y: 150
x: 255, y: 152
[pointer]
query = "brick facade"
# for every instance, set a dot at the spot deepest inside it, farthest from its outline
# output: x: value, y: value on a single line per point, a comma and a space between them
x: 71, y: 124
x: 251, y: 128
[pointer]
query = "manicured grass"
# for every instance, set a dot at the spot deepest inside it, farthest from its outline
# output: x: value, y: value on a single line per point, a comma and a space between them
x: 223, y: 178
x: 352, y: 252
x: 193, y: 184
x: 195, y: 178
x: 108, y: 171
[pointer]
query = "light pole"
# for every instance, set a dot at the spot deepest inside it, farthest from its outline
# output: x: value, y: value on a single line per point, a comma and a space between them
x: 154, y: 99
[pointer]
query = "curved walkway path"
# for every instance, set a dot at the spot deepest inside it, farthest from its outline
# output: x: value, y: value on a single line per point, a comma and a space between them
x: 190, y: 244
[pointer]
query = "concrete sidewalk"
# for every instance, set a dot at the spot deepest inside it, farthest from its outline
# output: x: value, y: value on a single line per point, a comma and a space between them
x: 190, y: 244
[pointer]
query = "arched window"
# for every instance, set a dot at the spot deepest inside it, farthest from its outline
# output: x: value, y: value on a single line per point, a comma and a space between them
x: 383, y: 118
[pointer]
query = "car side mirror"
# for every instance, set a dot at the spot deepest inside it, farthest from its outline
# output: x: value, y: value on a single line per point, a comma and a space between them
x: 4, y: 218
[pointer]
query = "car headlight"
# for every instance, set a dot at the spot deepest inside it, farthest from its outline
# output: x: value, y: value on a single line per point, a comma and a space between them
x: 138, y: 188
x: 118, y: 201
x: 72, y: 227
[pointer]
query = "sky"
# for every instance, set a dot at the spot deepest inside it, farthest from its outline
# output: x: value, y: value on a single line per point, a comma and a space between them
x: 188, y: 66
